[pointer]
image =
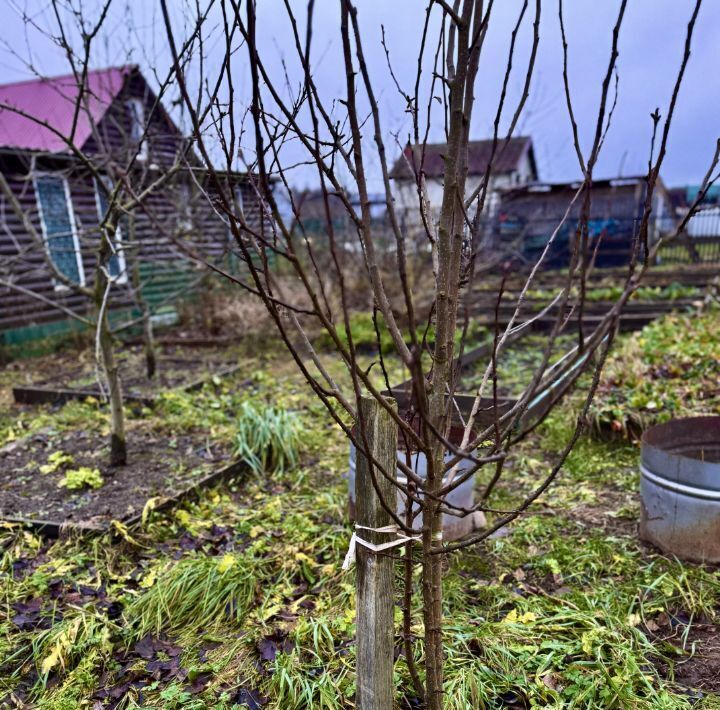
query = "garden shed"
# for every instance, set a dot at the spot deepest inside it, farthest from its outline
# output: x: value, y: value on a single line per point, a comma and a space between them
x: 528, y: 216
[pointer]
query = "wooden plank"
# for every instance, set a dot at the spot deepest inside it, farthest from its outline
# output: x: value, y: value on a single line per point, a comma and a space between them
x: 53, y: 395
x: 374, y: 580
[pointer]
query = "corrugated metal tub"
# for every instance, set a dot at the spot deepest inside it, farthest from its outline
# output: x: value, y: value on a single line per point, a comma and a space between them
x: 680, y: 488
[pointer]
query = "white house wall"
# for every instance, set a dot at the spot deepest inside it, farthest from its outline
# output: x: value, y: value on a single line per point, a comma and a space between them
x: 406, y: 197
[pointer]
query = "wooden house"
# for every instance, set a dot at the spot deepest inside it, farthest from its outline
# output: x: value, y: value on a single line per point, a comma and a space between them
x: 513, y: 165
x: 57, y: 144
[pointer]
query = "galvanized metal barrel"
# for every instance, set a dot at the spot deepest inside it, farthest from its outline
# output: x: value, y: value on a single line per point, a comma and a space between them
x: 680, y: 488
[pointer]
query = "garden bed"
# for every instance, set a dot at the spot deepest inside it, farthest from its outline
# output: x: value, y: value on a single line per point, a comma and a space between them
x: 635, y: 314
x: 176, y: 368
x: 517, y: 361
x: 516, y: 364
x: 38, y: 474
x: 237, y: 596
x: 669, y: 369
x: 188, y: 337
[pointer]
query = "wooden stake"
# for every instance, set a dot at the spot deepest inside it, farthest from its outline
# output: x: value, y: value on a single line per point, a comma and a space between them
x: 374, y: 581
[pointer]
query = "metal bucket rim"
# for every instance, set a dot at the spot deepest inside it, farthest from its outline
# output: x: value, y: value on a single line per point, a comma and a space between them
x: 705, y: 431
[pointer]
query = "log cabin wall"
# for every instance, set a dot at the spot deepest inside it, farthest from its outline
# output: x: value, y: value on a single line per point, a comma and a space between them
x: 178, y: 210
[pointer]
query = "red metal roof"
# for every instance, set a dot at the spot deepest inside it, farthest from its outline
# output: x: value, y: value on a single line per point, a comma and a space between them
x: 53, y: 101
x: 507, y: 157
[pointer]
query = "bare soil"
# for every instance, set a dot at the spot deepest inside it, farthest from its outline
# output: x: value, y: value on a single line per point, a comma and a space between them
x: 176, y: 367
x: 701, y: 671
x: 697, y: 667
x: 158, y: 466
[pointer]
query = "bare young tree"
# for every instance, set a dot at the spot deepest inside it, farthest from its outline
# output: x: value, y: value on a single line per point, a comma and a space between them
x: 140, y: 174
x: 343, y: 138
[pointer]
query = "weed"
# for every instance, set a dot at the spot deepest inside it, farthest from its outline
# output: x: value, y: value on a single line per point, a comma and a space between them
x: 669, y: 369
x: 297, y: 685
x: 77, y: 478
x: 200, y: 591
x: 365, y: 336
x: 556, y: 612
x: 267, y: 439
x: 56, y: 461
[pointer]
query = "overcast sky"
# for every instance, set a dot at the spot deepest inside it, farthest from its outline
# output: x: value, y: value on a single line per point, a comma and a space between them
x: 651, y: 46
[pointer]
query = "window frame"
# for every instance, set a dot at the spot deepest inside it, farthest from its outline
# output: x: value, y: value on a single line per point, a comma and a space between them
x: 58, y: 285
x: 135, y: 108
x: 185, y: 219
x: 122, y: 277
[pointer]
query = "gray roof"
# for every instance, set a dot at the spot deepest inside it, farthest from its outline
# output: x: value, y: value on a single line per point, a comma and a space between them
x: 508, y: 157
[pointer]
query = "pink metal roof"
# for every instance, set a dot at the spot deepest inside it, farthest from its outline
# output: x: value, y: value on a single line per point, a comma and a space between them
x: 53, y: 101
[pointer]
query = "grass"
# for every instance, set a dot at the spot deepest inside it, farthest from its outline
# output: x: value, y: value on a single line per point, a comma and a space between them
x: 365, y: 335
x: 672, y: 254
x: 200, y: 590
x: 516, y: 364
x: 241, y: 595
x: 267, y: 439
x: 671, y: 368
x: 672, y: 292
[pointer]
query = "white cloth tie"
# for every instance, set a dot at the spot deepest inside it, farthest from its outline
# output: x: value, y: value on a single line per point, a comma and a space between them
x: 356, y: 540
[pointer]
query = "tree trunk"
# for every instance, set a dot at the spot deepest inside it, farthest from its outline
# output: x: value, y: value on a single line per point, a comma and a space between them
x: 432, y: 568
x: 118, y: 447
x: 149, y: 344
x: 148, y: 336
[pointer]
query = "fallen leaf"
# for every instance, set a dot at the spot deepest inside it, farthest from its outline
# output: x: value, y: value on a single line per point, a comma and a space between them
x: 514, y: 618
x: 250, y: 698
x: 227, y: 562
x: 268, y: 649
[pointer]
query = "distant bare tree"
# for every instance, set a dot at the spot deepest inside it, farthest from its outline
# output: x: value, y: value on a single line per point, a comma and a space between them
x: 122, y: 165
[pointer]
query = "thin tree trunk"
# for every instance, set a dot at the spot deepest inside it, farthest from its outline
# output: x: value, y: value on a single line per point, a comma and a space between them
x: 408, y: 596
x: 149, y: 342
x: 118, y: 447
x: 148, y: 336
x: 461, y: 72
x: 432, y: 568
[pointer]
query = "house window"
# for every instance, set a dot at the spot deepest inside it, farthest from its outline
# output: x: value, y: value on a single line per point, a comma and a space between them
x: 136, y: 114
x: 185, y: 209
x: 240, y: 201
x: 58, y: 227
x: 116, y: 263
